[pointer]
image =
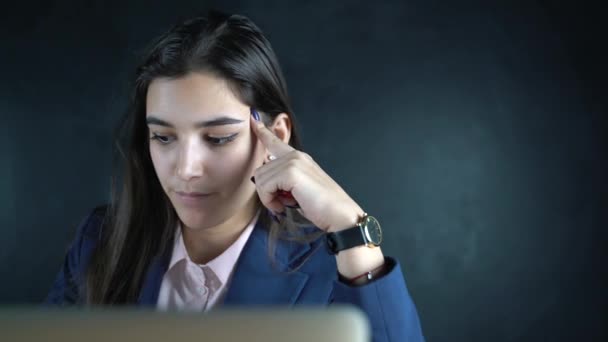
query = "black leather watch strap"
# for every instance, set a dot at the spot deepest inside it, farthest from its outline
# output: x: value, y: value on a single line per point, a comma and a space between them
x: 344, y: 239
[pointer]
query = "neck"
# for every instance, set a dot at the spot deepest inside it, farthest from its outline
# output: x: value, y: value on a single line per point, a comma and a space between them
x: 204, y: 245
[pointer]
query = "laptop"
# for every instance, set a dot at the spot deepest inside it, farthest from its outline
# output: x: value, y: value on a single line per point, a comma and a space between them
x: 322, y: 324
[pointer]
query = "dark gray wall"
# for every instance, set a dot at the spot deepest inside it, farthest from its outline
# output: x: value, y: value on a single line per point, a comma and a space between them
x: 474, y: 131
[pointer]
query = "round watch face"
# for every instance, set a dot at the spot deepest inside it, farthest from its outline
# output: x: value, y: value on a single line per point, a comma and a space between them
x: 372, y: 229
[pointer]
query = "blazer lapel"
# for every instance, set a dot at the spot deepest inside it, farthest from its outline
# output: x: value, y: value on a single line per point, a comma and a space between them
x: 148, y: 295
x: 257, y: 281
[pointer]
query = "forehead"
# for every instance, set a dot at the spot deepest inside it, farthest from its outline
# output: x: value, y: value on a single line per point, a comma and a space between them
x: 193, y: 97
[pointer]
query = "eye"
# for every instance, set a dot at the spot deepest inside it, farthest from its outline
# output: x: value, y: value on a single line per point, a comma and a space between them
x: 221, y: 140
x: 164, y: 140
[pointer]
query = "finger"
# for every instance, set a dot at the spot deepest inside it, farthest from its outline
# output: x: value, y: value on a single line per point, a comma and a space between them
x: 272, y: 165
x: 270, y: 181
x: 270, y: 170
x: 270, y: 200
x: 273, y: 144
x: 287, y: 199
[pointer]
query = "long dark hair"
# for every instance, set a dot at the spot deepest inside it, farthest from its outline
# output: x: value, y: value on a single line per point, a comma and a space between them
x: 140, y: 221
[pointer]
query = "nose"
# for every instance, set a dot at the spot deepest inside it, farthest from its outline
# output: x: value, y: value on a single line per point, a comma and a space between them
x: 190, y: 161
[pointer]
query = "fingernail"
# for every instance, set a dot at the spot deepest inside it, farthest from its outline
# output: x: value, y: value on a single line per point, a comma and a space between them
x: 253, y: 179
x: 255, y: 114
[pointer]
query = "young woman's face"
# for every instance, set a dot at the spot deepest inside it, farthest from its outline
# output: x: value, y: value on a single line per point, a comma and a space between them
x: 201, y: 141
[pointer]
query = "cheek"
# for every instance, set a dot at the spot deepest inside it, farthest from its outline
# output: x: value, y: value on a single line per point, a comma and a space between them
x: 160, y: 163
x: 233, y: 165
x: 230, y: 164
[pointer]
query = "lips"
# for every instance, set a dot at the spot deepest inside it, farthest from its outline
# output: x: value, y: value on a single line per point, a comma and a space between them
x: 193, y: 199
x: 191, y: 194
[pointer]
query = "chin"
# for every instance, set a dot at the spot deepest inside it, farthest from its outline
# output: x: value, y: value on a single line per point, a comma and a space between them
x: 197, y: 218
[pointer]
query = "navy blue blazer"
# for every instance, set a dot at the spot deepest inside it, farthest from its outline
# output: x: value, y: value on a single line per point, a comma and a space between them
x: 256, y: 281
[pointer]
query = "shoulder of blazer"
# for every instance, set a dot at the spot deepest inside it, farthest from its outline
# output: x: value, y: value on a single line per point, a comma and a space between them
x: 91, y: 227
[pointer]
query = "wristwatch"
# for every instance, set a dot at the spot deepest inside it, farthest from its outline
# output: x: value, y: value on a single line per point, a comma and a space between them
x: 366, y: 232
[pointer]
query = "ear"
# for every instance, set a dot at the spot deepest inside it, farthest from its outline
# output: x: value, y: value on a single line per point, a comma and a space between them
x: 281, y: 127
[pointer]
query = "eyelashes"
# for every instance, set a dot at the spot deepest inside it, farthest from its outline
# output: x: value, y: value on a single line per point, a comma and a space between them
x: 217, y: 141
x: 222, y: 140
x: 160, y: 138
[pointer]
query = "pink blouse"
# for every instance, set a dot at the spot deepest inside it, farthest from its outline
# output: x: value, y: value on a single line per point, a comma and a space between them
x: 189, y: 286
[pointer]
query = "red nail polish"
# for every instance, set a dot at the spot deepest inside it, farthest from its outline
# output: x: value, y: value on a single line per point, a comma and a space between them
x: 286, y: 194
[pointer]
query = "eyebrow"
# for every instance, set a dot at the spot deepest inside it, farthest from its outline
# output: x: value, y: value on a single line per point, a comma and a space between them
x: 221, y: 121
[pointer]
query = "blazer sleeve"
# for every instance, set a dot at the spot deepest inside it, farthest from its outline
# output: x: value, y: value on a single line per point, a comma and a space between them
x: 387, y: 304
x: 67, y: 286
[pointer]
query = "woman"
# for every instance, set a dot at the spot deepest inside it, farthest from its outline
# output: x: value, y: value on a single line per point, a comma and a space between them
x: 217, y: 203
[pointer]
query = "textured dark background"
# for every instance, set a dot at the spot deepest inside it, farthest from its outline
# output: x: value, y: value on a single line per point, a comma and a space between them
x: 474, y: 130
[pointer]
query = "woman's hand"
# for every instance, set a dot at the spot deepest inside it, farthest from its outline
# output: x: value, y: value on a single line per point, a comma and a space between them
x: 322, y: 201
